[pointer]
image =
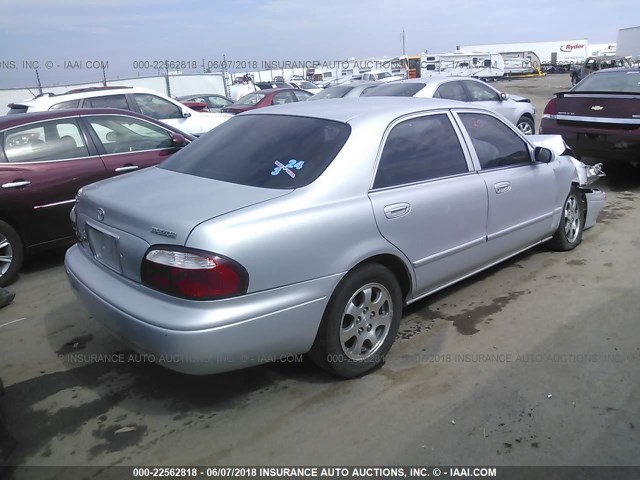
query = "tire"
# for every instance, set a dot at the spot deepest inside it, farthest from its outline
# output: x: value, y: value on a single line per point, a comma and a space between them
x: 10, y: 249
x: 569, y: 233
x: 349, y: 346
x: 526, y: 125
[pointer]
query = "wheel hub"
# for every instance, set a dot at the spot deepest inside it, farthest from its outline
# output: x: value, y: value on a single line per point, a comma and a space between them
x: 6, y: 255
x: 572, y: 220
x: 366, y: 321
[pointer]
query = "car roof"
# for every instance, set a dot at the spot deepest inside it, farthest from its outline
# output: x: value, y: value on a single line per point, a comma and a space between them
x: 83, y: 93
x: 434, y: 80
x: 18, y: 119
x: 347, y: 109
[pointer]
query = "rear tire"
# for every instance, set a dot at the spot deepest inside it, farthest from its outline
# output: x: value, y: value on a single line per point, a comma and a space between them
x: 11, y: 254
x: 569, y: 233
x: 360, y: 323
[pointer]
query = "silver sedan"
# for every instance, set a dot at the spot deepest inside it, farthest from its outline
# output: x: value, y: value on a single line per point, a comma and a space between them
x: 518, y: 110
x: 307, y: 227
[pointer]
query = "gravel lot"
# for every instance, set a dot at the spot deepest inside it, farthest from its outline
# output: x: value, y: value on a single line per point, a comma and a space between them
x: 534, y: 362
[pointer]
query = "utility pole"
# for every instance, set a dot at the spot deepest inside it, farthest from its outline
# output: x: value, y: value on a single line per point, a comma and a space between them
x: 104, y: 77
x: 403, y: 41
x: 39, y: 84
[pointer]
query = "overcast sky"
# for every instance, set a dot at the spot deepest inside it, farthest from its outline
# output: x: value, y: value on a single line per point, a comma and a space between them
x: 124, y: 31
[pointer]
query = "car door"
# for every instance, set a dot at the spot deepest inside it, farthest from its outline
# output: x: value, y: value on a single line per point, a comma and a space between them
x: 47, y: 163
x: 522, y: 192
x: 427, y: 201
x: 127, y: 143
x: 486, y: 97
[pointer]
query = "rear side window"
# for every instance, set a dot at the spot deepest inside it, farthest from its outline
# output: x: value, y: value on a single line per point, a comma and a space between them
x: 496, y: 145
x: 270, y: 151
x: 107, y: 101
x: 65, y: 105
x: 157, y: 107
x: 53, y: 140
x: 395, y: 90
x: 420, y: 149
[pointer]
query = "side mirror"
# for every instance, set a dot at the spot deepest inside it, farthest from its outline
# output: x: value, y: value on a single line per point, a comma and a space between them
x: 186, y: 113
x: 178, y: 140
x: 504, y: 96
x: 542, y: 155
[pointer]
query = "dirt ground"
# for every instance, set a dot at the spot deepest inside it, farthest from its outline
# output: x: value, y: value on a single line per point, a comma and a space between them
x: 533, y: 362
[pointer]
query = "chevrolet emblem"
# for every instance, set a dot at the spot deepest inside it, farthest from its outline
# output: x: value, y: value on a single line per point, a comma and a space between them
x: 597, y: 108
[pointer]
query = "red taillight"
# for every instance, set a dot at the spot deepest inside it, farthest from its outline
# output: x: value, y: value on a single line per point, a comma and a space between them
x: 551, y: 110
x: 193, y: 274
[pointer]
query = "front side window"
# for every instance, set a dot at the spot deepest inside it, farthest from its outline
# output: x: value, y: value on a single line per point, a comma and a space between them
x: 302, y: 96
x: 283, y: 97
x: 479, y: 92
x: 451, y: 91
x: 119, y: 134
x: 419, y: 149
x: 53, y: 140
x: 251, y: 99
x: 107, y: 101
x: 496, y: 145
x: 217, y: 102
x: 156, y: 107
x: 269, y: 151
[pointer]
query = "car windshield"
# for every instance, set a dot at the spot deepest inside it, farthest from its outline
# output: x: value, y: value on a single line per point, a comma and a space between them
x: 306, y: 85
x: 383, y: 75
x: 332, y: 92
x: 394, y: 89
x: 624, y: 81
x: 251, y: 98
x: 269, y: 151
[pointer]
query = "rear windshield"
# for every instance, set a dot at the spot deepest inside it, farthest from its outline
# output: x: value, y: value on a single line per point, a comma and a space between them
x: 270, y: 151
x: 394, y: 90
x: 13, y: 109
x: 332, y: 92
x: 624, y: 81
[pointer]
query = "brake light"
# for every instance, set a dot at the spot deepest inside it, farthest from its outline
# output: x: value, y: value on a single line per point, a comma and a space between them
x: 551, y: 110
x: 193, y: 274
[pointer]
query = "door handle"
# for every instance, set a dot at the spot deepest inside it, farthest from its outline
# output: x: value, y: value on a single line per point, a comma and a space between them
x: 127, y: 168
x: 16, y: 184
x: 397, y: 210
x: 502, y: 187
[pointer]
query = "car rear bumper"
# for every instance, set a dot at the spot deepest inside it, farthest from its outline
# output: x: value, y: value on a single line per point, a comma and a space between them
x: 596, y: 142
x: 235, y: 333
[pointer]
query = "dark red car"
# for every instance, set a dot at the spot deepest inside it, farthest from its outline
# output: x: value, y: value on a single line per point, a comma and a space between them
x: 600, y: 116
x: 266, y: 98
x: 45, y: 158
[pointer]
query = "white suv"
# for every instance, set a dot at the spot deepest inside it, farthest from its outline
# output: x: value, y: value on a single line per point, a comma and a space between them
x: 142, y: 100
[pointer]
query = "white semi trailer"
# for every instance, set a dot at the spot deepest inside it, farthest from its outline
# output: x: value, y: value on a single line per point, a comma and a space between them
x: 629, y: 43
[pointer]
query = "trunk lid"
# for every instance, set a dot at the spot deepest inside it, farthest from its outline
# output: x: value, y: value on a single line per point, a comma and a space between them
x: 621, y: 110
x: 152, y: 207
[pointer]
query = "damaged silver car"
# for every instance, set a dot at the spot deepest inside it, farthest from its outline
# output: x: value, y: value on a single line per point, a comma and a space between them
x: 307, y: 227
